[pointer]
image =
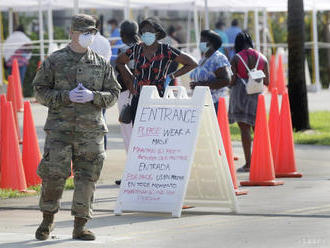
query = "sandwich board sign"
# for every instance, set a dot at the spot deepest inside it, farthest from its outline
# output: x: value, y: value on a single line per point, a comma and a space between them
x: 175, y: 155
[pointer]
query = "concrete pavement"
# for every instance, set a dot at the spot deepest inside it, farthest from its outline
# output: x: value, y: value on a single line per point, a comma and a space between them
x: 296, y: 214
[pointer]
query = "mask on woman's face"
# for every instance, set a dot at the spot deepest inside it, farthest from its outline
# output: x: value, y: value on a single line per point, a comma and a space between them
x: 203, y: 47
x: 85, y: 40
x: 148, y: 38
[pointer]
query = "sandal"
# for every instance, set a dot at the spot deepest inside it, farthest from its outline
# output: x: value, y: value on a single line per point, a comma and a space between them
x: 243, y: 169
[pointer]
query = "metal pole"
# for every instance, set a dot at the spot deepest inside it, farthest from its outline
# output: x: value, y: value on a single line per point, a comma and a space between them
x: 196, y: 24
x: 75, y: 7
x: 11, y: 21
x: 50, y: 24
x: 246, y: 18
x: 41, y: 33
x: 264, y: 33
x: 207, y: 24
x: 127, y: 10
x: 146, y: 12
x: 188, y: 30
x: 316, y: 51
x: 256, y: 29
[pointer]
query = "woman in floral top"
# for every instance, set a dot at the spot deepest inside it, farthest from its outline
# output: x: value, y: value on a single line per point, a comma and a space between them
x: 152, y: 60
x: 213, y: 69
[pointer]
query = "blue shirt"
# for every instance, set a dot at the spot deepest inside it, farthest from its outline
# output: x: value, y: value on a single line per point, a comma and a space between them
x: 232, y: 32
x: 205, y: 72
x: 114, y: 50
x: 224, y: 39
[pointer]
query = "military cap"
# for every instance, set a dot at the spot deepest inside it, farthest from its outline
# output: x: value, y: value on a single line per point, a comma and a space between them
x: 83, y: 23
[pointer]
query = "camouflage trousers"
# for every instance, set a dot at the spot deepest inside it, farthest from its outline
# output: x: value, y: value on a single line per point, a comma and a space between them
x: 86, y: 151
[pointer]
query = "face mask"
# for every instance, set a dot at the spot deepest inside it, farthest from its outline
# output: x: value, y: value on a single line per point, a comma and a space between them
x: 85, y: 40
x: 110, y: 30
x: 203, y: 47
x: 148, y: 38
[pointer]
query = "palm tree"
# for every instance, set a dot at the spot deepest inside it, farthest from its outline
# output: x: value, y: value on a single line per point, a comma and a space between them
x: 297, y: 83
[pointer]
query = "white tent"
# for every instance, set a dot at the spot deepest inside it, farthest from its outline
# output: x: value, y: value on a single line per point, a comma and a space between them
x: 182, y: 5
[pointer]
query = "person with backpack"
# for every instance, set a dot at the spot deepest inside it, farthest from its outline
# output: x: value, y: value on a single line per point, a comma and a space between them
x: 250, y: 69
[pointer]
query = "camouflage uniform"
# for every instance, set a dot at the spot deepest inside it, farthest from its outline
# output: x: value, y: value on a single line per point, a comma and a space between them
x: 74, y: 130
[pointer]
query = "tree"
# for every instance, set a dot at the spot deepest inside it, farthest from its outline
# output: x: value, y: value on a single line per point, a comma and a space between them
x: 297, y: 83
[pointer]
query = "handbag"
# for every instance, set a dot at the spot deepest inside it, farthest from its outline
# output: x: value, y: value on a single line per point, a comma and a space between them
x: 255, y: 83
x: 125, y: 115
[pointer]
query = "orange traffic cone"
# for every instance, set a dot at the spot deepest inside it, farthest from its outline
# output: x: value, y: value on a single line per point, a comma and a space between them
x: 72, y: 175
x: 18, y: 86
x: 285, y: 161
x: 38, y: 65
x: 12, y: 172
x: 3, y: 102
x: 280, y: 77
x: 272, y: 73
x: 225, y: 134
x: 11, y: 96
x: 11, y: 92
x: 31, y: 152
x: 262, y: 166
x: 273, y: 122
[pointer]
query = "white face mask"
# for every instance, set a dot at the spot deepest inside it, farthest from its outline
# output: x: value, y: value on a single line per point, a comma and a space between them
x: 85, y: 40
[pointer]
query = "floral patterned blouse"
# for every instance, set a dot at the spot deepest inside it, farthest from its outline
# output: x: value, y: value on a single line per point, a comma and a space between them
x: 205, y: 72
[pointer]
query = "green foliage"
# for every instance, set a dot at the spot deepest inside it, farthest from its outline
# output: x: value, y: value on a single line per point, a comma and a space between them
x: 59, y: 34
x: 319, y: 135
x: 9, y: 193
x: 279, y: 27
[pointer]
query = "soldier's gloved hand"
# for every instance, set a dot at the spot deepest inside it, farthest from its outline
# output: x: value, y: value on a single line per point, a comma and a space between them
x: 74, y: 94
x: 84, y: 94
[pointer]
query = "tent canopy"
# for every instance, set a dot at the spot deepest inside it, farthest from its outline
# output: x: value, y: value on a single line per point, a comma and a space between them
x: 214, y: 5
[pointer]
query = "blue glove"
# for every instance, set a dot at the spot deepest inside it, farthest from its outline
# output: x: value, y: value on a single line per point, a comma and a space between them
x: 167, y: 81
x: 84, y: 94
x: 74, y: 94
x: 81, y: 94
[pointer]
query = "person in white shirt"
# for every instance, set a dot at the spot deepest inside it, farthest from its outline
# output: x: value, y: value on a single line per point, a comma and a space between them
x: 100, y: 44
x: 102, y: 47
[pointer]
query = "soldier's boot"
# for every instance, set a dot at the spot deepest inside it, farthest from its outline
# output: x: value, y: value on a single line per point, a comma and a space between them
x: 80, y: 231
x: 46, y: 226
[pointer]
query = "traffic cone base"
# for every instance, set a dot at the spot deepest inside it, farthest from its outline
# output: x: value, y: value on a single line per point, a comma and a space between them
x: 262, y: 183
x: 292, y: 174
x: 29, y: 192
x: 240, y: 192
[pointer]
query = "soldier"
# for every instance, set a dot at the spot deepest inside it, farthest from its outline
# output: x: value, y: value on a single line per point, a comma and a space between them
x: 75, y: 84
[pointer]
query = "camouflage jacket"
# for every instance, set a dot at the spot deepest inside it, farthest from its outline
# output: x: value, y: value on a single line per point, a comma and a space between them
x: 60, y: 73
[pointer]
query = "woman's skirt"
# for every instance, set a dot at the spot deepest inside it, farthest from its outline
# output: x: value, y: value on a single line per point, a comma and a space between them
x: 242, y: 107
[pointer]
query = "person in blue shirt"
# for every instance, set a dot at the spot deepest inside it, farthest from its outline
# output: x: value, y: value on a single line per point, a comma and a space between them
x: 214, y: 69
x: 219, y: 29
x: 232, y: 32
x: 115, y: 41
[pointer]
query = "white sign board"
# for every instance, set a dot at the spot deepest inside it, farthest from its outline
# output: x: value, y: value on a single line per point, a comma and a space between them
x: 165, y: 135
